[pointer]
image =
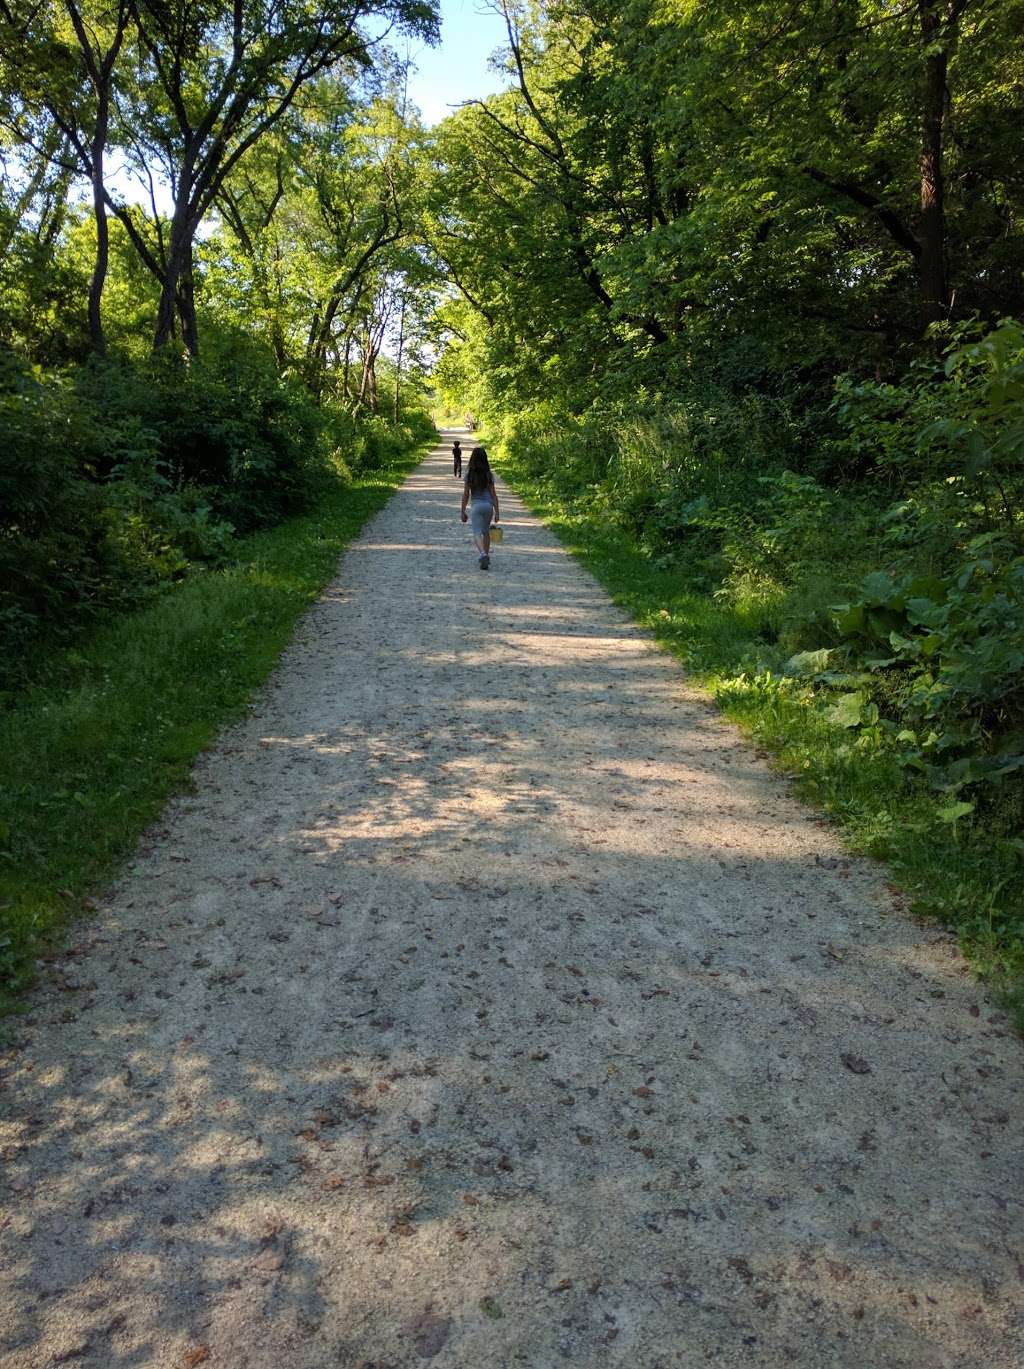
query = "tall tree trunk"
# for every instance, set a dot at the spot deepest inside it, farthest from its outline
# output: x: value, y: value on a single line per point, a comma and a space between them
x: 179, y: 263
x: 186, y: 304
x: 316, y: 348
x: 97, y: 338
x: 931, y: 234
x: 939, y: 30
x: 364, y: 380
x: 398, y: 367
x: 167, y: 308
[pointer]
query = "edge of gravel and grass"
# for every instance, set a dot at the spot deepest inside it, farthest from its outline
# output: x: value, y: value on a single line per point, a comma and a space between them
x: 90, y: 754
x: 954, y: 873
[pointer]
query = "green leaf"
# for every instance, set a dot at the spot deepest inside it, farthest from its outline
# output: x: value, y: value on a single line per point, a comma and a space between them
x: 927, y: 587
x: 925, y: 612
x: 953, y: 812
x: 806, y: 663
x: 878, y: 588
x: 845, y: 712
x: 883, y: 621
x: 849, y: 618
x: 903, y: 644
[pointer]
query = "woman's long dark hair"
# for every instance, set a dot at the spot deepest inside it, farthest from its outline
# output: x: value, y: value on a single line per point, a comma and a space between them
x: 478, y: 472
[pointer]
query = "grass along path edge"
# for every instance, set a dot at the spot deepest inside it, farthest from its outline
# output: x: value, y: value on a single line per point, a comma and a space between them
x: 89, y: 760
x: 954, y: 873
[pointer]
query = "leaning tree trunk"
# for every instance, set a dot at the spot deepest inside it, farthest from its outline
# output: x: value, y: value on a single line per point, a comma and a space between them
x: 100, y: 72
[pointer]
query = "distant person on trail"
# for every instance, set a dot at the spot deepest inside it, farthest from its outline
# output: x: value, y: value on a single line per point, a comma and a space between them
x: 479, y: 493
x: 457, y: 457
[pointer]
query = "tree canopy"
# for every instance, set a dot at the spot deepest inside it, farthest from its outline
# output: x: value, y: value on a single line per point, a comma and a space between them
x: 779, y: 187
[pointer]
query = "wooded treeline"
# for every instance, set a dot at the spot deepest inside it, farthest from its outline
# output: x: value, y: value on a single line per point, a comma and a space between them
x: 775, y: 192
x: 208, y: 218
x: 738, y: 286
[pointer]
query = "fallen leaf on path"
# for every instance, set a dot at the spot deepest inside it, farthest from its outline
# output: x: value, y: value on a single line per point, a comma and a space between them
x: 197, y: 1356
x: 430, y: 1333
x: 856, y: 1064
x: 76, y: 1352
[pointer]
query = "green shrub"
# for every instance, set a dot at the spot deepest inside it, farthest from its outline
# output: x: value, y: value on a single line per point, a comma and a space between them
x: 378, y: 443
x: 950, y: 435
x: 116, y: 479
x: 55, y: 561
x: 957, y: 646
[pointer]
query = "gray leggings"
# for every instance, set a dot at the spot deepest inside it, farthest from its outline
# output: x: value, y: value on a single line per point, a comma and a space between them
x: 481, y: 511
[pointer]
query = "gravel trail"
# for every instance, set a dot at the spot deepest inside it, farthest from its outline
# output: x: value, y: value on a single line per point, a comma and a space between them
x: 491, y: 1003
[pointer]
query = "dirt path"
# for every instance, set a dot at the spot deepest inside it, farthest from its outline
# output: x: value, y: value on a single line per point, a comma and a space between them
x: 491, y: 1003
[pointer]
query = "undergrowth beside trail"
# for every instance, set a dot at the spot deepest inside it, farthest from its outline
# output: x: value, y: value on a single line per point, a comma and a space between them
x: 90, y: 753
x: 955, y: 871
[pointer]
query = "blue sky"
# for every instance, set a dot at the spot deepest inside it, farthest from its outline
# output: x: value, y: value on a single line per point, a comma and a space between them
x: 457, y: 70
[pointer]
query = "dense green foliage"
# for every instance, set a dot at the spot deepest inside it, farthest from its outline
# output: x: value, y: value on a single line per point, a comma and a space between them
x: 737, y: 295
x: 117, y: 480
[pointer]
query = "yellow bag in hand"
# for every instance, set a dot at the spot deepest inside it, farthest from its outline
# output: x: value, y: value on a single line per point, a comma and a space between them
x: 497, y: 534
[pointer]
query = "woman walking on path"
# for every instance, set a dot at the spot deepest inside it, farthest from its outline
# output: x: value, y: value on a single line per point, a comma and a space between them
x: 479, y: 493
